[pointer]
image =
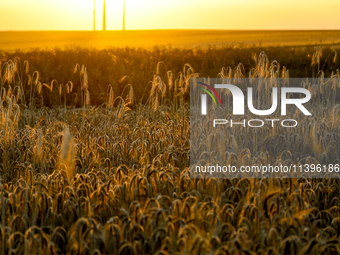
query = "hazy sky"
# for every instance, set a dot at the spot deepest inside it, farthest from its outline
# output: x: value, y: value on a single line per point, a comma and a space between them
x: 171, y: 14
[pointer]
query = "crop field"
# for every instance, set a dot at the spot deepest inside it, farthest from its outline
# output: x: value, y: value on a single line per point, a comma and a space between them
x: 12, y: 40
x: 95, y: 155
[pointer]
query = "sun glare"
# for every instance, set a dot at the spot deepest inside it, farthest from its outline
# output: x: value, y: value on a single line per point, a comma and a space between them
x: 175, y: 14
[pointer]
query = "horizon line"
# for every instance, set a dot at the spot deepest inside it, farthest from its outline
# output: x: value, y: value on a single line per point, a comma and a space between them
x: 170, y: 29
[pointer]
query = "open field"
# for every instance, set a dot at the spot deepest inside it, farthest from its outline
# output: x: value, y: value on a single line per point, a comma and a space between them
x: 95, y: 155
x: 138, y: 66
x: 176, y: 38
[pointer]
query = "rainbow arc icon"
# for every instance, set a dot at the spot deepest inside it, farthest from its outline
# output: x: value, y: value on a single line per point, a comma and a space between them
x: 212, y: 89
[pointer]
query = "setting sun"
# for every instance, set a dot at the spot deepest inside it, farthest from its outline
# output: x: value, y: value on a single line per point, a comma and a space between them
x: 176, y: 14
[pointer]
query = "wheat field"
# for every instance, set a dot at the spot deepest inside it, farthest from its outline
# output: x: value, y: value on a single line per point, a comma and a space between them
x: 114, y: 177
x: 184, y: 38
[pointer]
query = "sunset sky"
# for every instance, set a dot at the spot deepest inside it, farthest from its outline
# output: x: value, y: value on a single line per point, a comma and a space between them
x: 174, y: 14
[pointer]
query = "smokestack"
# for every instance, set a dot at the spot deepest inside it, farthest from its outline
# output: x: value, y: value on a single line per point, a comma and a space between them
x: 94, y: 15
x: 123, y: 15
x: 104, y: 17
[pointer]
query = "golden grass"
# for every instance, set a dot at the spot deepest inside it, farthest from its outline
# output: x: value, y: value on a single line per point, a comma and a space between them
x: 12, y: 40
x: 115, y: 180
